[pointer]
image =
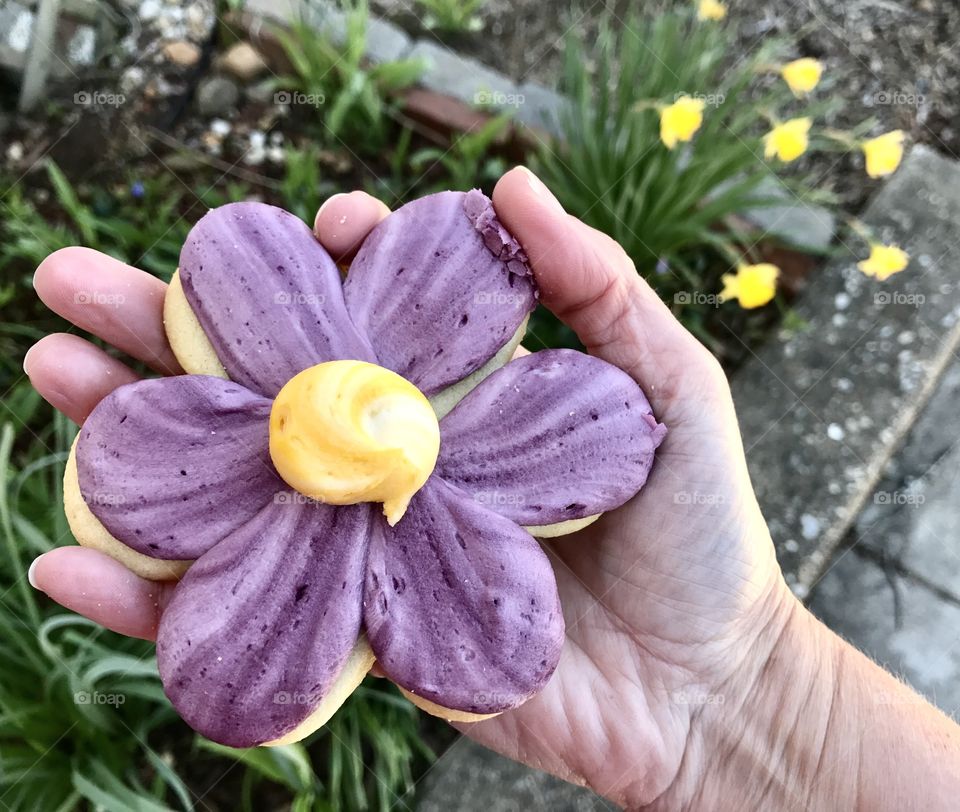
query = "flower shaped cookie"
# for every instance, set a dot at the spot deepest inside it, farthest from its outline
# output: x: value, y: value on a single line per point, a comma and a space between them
x: 321, y: 511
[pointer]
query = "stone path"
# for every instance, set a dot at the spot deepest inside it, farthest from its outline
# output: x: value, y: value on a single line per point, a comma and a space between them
x: 823, y: 409
x: 894, y: 591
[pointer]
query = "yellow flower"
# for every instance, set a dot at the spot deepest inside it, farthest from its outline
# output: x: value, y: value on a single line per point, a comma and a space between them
x: 788, y: 141
x: 883, y: 153
x: 802, y: 75
x: 680, y: 120
x: 711, y: 10
x: 884, y: 261
x: 752, y: 285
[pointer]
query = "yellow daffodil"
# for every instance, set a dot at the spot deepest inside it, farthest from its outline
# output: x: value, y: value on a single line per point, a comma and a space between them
x: 680, y: 120
x: 883, y: 153
x: 802, y: 75
x: 711, y: 10
x: 884, y: 261
x: 752, y: 285
x: 788, y: 141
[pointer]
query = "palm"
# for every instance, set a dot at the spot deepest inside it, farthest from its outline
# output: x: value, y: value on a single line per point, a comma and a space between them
x: 656, y: 596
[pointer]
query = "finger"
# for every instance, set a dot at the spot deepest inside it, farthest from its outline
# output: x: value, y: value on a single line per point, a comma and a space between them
x: 120, y: 304
x: 102, y: 589
x: 589, y: 283
x: 344, y: 220
x: 73, y: 375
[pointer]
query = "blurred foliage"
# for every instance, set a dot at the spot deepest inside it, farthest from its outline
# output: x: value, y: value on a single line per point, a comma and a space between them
x: 348, y: 94
x: 455, y: 16
x: 673, y: 210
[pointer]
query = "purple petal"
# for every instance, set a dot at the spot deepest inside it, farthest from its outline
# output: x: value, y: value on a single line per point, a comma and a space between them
x: 260, y: 627
x: 461, y: 605
x: 439, y: 286
x: 267, y: 295
x: 549, y: 437
x: 172, y: 465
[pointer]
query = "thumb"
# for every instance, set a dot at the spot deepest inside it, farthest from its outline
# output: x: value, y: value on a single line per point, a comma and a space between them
x: 587, y: 281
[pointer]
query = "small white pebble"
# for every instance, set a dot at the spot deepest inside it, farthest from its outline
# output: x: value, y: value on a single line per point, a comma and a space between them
x: 809, y: 526
x: 835, y: 432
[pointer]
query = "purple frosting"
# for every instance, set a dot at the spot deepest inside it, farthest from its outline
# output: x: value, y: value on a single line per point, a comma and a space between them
x: 267, y: 295
x: 439, y: 286
x: 551, y: 436
x: 172, y: 465
x: 260, y: 626
x: 461, y: 605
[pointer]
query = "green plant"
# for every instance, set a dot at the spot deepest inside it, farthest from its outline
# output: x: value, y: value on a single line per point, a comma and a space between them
x: 350, y: 94
x: 83, y: 719
x: 452, y: 15
x: 303, y: 188
x: 467, y: 162
x: 675, y: 211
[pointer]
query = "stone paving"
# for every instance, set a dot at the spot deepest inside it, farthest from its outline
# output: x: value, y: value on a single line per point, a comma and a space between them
x: 823, y: 409
x: 894, y: 591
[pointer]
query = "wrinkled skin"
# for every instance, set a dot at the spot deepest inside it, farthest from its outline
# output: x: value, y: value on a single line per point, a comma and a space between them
x: 665, y: 599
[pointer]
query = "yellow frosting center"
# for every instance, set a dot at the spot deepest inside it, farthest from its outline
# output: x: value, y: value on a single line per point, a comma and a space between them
x: 345, y: 432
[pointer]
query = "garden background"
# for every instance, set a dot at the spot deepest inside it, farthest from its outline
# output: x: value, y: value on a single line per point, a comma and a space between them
x: 732, y: 151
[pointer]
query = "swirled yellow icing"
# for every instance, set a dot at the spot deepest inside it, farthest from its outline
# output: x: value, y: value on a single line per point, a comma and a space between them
x: 345, y: 432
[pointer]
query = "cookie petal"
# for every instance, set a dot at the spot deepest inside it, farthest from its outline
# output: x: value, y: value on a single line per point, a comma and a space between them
x: 461, y: 605
x: 261, y: 627
x: 267, y: 295
x: 439, y: 286
x: 172, y: 465
x: 553, y: 436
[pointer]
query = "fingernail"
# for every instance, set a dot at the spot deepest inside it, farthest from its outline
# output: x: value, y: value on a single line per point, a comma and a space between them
x: 26, y: 360
x: 32, y: 570
x: 330, y: 200
x: 538, y: 187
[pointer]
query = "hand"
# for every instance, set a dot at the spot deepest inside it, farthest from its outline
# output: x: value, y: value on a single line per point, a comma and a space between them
x: 673, y: 602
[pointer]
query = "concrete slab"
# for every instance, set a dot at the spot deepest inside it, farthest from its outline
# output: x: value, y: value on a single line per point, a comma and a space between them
x: 470, y: 778
x: 463, y: 78
x: 541, y: 107
x: 913, y: 519
x: 823, y: 409
x: 905, y: 627
x: 796, y: 223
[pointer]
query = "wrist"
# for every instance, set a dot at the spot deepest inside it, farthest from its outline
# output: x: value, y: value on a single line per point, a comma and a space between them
x: 777, y: 727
